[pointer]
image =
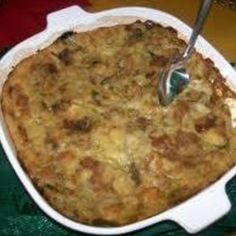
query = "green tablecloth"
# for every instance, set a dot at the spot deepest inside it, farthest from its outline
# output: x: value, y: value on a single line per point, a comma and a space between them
x: 19, y: 215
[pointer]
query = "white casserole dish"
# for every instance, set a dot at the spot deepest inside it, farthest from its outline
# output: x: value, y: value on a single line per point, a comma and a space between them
x: 194, y: 214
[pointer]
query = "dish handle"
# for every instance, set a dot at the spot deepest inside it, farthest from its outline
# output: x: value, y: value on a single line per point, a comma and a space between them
x: 202, y: 210
x: 70, y: 16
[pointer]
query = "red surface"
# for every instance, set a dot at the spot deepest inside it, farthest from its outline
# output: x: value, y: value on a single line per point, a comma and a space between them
x: 20, y: 19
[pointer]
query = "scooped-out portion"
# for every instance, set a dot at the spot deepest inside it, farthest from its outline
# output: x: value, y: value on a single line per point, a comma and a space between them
x: 87, y: 128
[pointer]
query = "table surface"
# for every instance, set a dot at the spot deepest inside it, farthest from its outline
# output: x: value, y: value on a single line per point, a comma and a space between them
x: 219, y: 30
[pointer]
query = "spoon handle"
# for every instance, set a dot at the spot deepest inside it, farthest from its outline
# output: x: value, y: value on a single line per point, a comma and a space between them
x: 201, y: 17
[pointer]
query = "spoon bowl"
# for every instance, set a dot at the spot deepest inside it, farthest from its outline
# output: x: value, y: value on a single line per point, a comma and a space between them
x: 172, y: 81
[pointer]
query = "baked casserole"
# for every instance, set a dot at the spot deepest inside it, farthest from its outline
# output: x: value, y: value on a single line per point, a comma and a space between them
x: 87, y: 128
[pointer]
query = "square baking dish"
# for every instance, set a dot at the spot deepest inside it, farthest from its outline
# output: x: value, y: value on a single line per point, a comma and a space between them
x: 195, y: 213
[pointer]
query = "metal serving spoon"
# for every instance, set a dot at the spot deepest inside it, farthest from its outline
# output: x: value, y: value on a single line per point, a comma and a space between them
x: 174, y: 78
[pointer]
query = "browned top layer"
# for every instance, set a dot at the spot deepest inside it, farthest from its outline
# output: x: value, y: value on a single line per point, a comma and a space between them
x: 84, y: 118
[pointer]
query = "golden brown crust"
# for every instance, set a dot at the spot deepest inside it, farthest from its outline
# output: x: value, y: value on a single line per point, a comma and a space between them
x: 88, y: 130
